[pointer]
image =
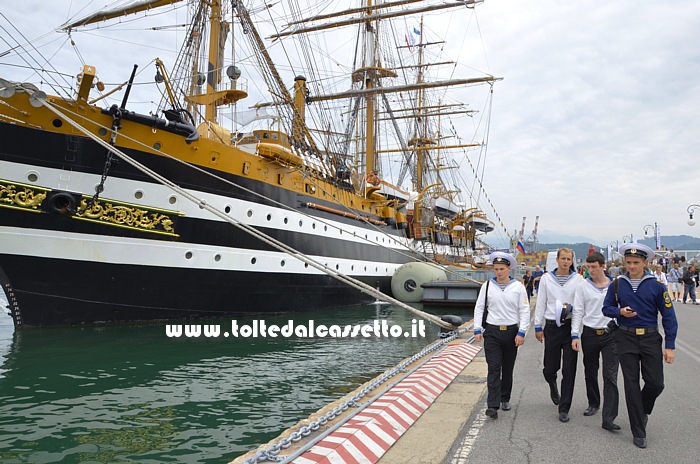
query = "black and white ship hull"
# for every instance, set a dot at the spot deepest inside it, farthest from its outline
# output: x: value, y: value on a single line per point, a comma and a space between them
x: 59, y: 269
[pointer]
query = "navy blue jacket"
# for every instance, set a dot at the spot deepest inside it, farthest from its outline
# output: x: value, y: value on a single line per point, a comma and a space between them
x: 650, y: 299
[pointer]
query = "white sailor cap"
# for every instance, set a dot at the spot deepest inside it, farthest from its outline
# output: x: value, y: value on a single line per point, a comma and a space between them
x: 499, y: 257
x: 637, y: 249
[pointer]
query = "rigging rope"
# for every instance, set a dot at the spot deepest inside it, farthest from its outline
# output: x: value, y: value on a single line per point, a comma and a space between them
x: 361, y: 286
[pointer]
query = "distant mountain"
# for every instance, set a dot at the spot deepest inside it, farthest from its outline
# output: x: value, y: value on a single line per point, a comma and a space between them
x: 671, y: 242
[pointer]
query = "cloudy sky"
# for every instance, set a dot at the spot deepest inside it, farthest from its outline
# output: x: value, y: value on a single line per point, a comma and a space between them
x: 594, y: 128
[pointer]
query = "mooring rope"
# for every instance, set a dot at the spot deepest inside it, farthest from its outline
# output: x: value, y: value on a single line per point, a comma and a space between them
x: 363, y: 287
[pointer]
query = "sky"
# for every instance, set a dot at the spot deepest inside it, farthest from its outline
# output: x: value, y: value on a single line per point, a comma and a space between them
x: 593, y: 128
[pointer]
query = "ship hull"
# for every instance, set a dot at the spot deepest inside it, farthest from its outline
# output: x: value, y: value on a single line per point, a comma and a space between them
x: 61, y: 269
x: 65, y: 292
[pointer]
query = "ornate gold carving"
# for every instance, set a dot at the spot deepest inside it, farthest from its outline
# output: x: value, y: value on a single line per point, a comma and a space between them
x: 126, y: 215
x: 108, y: 212
x: 28, y: 198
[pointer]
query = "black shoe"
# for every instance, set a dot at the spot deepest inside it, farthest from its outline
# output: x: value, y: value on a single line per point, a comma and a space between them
x: 645, y: 419
x: 590, y: 410
x: 563, y: 417
x: 554, y: 393
x: 492, y: 413
x: 640, y: 442
x: 612, y: 426
x: 505, y: 406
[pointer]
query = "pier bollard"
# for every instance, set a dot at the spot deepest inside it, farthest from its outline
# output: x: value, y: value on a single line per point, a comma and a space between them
x: 456, y: 321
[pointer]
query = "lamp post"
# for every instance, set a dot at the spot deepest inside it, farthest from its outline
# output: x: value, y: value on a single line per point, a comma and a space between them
x: 657, y: 236
x: 691, y: 210
x: 625, y: 238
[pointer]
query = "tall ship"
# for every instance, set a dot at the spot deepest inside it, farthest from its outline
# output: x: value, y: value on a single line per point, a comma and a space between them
x: 287, y: 152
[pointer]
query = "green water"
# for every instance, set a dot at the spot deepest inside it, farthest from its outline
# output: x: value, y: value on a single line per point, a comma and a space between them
x: 132, y: 394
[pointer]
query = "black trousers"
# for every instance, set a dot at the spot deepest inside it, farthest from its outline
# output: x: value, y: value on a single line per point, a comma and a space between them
x: 594, y: 346
x: 500, y: 351
x: 640, y: 352
x: 558, y: 354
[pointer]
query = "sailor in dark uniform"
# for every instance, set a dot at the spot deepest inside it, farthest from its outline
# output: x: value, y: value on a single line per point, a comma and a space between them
x: 636, y: 300
x: 504, y: 302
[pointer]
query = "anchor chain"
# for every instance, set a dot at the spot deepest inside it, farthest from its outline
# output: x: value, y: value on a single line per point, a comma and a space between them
x: 271, y: 453
x: 99, y: 188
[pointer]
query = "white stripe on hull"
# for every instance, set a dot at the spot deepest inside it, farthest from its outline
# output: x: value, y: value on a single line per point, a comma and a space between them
x: 159, y: 196
x: 144, y: 252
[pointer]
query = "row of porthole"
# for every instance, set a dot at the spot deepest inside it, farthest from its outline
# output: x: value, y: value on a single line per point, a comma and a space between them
x: 254, y: 260
x: 33, y: 176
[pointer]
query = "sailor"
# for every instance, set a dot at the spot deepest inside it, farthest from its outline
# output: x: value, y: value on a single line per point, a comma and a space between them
x: 636, y: 304
x: 596, y: 340
x: 554, y: 300
x: 501, y: 320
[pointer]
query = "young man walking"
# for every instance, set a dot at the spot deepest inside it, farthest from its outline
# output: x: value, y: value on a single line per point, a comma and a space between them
x: 556, y: 293
x: 505, y: 303
x: 636, y: 304
x: 596, y: 341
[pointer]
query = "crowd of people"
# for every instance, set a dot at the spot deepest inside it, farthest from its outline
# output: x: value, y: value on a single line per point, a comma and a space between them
x: 610, y: 313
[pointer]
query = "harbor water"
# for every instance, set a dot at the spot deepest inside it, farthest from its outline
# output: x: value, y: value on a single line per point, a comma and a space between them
x: 132, y: 394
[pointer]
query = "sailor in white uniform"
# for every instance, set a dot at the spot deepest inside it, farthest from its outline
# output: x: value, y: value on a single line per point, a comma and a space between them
x: 556, y: 294
x: 501, y: 320
x: 597, y: 341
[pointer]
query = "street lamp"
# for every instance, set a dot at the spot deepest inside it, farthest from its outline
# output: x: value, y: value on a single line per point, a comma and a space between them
x: 646, y: 230
x: 625, y: 238
x: 691, y: 210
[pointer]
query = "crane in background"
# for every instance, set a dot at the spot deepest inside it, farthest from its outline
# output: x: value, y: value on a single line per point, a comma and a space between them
x: 532, y: 242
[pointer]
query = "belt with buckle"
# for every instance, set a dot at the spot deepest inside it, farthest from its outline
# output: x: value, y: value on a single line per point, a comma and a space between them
x: 639, y: 330
x: 553, y: 322
x: 502, y: 327
x: 591, y: 331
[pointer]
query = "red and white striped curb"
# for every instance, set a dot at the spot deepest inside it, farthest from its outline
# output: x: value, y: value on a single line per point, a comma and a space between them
x: 367, y: 436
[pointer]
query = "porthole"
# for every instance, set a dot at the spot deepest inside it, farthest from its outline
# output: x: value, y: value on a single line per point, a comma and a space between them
x: 325, y: 228
x: 138, y: 194
x: 376, y: 269
x: 352, y: 268
x: 57, y: 123
x: 227, y: 209
x: 337, y: 267
x: 156, y: 146
x: 249, y: 213
x: 286, y: 220
x: 217, y: 258
x: 282, y: 263
x: 365, y: 268
x: 189, y: 255
x: 301, y: 223
x: 101, y: 131
x: 172, y: 200
x: 269, y: 217
x: 253, y: 260
x: 33, y: 176
x: 313, y: 225
x: 306, y: 265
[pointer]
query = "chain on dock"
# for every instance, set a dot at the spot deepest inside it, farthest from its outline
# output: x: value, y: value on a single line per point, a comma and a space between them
x: 271, y: 453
